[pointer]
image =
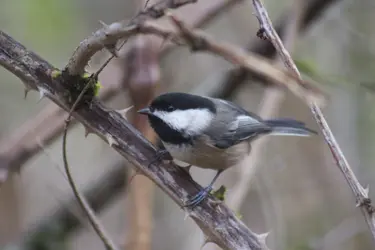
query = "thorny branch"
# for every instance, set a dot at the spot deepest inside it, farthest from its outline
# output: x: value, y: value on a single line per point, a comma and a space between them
x: 267, y: 31
x: 217, y: 222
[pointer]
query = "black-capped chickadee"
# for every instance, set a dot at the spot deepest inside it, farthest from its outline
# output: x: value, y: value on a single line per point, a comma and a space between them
x: 211, y: 133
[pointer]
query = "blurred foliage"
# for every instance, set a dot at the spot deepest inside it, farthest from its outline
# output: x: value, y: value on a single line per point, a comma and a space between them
x: 43, y: 25
x: 306, y: 67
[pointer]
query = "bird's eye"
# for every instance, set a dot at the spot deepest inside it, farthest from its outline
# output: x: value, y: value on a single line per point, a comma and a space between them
x: 170, y: 108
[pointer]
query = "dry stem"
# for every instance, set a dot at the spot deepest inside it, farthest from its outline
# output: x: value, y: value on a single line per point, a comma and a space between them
x: 361, y: 194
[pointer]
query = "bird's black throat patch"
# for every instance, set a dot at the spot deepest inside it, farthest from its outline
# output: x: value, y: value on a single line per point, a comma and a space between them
x: 168, y: 134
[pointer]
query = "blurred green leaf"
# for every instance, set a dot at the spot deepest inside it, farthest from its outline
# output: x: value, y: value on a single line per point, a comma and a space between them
x: 43, y: 25
x: 307, y: 67
x: 50, y: 20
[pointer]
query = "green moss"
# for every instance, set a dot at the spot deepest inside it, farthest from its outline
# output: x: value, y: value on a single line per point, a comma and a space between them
x: 220, y: 193
x: 238, y: 215
x: 74, y: 85
x: 97, y: 87
x: 55, y: 73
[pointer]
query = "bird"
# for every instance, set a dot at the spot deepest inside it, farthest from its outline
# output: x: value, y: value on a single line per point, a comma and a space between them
x: 211, y: 133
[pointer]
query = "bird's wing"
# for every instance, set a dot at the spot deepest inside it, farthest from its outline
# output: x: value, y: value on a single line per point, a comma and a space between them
x: 244, y: 125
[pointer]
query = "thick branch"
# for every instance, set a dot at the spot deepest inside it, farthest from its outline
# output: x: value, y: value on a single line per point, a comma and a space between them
x: 217, y: 222
x: 361, y: 194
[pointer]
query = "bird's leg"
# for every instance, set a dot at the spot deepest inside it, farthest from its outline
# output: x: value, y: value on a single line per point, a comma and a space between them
x: 201, y: 195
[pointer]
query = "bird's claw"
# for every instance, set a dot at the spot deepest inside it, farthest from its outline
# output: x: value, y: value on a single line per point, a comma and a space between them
x: 198, y: 198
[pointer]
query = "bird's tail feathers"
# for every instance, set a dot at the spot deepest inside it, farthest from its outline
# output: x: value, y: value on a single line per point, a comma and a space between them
x: 286, y: 126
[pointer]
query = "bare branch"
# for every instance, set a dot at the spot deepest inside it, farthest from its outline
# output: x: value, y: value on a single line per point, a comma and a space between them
x: 217, y: 222
x: 361, y: 194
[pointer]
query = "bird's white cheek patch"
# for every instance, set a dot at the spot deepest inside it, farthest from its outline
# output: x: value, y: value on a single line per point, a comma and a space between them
x: 191, y: 121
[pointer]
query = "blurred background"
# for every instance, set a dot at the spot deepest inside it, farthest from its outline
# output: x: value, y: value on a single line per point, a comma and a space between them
x: 289, y: 186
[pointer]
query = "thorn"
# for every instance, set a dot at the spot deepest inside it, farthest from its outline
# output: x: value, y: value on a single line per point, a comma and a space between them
x: 133, y: 176
x: 42, y: 93
x: 358, y: 204
x: 206, y: 241
x: 262, y: 238
x: 187, y: 215
x: 25, y: 92
x: 366, y: 190
x: 103, y: 24
x: 188, y: 168
x: 111, y: 140
x: 87, y: 131
x: 123, y: 112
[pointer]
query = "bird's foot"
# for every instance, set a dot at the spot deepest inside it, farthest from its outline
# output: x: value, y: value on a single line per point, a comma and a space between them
x: 198, y: 198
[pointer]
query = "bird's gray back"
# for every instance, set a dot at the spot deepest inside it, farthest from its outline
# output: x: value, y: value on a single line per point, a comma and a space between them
x: 233, y: 124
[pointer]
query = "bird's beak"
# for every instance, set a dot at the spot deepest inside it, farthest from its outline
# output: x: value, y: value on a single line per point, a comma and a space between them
x: 145, y: 111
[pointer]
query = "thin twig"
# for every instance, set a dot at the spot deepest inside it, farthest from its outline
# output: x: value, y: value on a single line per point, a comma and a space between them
x: 361, y: 194
x: 99, y: 229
